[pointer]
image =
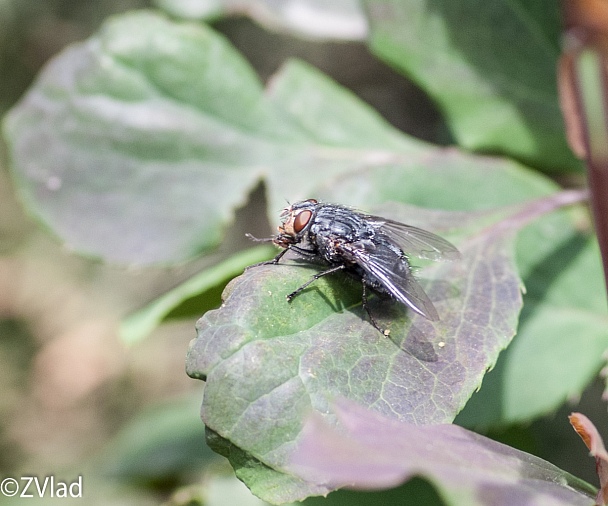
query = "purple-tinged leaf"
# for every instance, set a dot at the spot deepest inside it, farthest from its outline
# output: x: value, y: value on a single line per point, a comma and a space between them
x: 368, y: 451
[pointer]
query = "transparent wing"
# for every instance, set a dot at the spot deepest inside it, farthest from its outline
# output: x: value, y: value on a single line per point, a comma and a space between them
x: 385, y: 266
x: 416, y: 241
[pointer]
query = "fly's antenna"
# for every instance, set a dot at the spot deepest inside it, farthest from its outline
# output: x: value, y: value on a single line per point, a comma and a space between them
x: 257, y: 239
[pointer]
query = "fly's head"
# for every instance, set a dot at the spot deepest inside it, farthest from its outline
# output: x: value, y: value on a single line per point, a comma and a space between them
x: 295, y: 221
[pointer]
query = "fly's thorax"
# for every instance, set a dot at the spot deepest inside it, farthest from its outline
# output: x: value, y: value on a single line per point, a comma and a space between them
x: 337, y: 222
x: 332, y: 228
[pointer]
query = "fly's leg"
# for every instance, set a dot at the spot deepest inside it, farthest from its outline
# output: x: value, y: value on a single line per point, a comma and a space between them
x: 384, y: 332
x: 274, y: 261
x: 304, y: 253
x: 331, y: 270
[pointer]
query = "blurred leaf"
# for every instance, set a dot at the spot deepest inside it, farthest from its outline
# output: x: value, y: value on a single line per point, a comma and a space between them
x: 562, y: 335
x: 369, y: 451
x: 280, y: 487
x: 490, y: 66
x: 559, y: 348
x: 439, y: 178
x: 138, y: 144
x: 141, y: 323
x: 423, y: 374
x: 160, y: 443
x: 339, y: 19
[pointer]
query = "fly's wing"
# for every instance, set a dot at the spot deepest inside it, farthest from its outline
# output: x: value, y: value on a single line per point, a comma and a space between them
x: 416, y: 241
x: 390, y: 270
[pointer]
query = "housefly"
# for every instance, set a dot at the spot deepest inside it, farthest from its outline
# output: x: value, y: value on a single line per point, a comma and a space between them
x: 373, y: 249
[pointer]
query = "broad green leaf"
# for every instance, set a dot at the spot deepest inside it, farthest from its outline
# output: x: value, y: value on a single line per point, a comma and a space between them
x: 141, y: 323
x: 565, y: 313
x: 339, y: 19
x: 138, y: 144
x: 369, y: 451
x: 489, y: 65
x: 267, y: 362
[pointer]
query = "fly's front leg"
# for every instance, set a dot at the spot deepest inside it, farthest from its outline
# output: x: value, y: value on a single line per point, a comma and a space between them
x: 304, y: 253
x: 274, y: 261
x: 331, y: 270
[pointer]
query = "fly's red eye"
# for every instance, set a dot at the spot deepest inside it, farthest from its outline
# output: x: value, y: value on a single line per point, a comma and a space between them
x: 301, y: 221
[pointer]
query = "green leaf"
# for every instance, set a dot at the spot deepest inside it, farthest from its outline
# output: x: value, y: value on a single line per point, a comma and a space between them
x: 566, y: 314
x: 267, y: 362
x: 262, y: 480
x: 562, y: 336
x: 140, y: 324
x: 490, y: 66
x: 138, y: 144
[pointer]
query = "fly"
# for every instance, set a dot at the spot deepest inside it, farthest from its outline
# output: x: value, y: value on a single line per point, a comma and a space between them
x: 371, y: 248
